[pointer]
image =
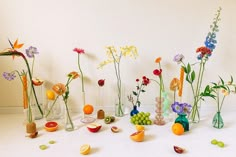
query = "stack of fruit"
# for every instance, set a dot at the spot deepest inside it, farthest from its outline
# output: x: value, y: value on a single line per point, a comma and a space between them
x: 141, y: 118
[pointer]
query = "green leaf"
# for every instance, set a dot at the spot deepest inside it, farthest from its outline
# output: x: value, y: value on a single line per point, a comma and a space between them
x: 188, y: 68
x: 138, y: 103
x: 193, y: 75
x: 134, y: 93
x: 143, y: 90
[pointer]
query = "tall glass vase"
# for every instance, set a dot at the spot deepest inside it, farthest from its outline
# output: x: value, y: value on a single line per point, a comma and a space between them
x: 217, y: 121
x: 69, y: 125
x: 194, y: 116
x: 40, y: 96
x: 159, y: 118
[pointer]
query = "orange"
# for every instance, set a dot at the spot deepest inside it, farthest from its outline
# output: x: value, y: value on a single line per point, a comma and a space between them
x: 85, y: 149
x: 50, y: 95
x: 137, y: 136
x: 88, y: 109
x: 177, y: 129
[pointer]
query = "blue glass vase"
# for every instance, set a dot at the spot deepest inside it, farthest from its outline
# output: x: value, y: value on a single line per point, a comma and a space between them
x: 182, y: 119
x: 134, y: 111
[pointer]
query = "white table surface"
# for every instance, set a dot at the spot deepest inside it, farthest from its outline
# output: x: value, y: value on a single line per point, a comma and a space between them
x: 159, y: 140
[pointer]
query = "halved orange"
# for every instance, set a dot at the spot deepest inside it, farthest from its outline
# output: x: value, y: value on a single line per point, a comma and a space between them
x: 137, y: 136
x: 177, y: 129
x: 51, y: 126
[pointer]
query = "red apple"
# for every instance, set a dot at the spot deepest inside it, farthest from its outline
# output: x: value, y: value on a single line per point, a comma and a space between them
x: 178, y: 149
x: 94, y: 127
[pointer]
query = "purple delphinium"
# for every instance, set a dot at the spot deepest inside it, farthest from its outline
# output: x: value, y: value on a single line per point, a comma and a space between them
x: 9, y: 76
x: 31, y: 51
x: 178, y: 58
x: 181, y: 108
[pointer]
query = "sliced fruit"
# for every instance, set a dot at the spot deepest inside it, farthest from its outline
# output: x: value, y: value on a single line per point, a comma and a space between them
x: 50, y: 95
x: 37, y: 81
x: 88, y: 109
x: 177, y: 129
x: 178, y: 149
x: 33, y: 135
x: 221, y: 144
x: 115, y: 129
x: 107, y: 119
x: 52, y: 142
x: 85, y: 149
x: 43, y: 147
x: 137, y: 136
x: 51, y: 126
x: 94, y: 127
x: 112, y: 118
x: 139, y: 127
x: 214, y: 141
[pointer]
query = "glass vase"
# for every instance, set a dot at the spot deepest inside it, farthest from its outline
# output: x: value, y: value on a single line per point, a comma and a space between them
x: 194, y: 116
x: 182, y: 119
x: 40, y: 98
x: 159, y: 118
x: 69, y: 125
x: 56, y: 110
x: 134, y: 111
x: 119, y: 109
x: 217, y: 121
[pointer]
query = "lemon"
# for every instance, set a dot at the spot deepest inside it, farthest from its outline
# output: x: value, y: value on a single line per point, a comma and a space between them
x: 139, y: 127
x: 85, y: 149
x: 50, y: 95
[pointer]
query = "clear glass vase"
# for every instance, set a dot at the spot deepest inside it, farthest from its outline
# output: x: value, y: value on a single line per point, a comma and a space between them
x: 182, y: 119
x: 69, y: 125
x: 217, y: 121
x: 119, y: 109
x: 40, y: 99
x: 194, y: 116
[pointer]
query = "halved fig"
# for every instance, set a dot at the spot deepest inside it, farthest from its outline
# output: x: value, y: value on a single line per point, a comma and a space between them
x: 178, y: 149
x: 114, y: 129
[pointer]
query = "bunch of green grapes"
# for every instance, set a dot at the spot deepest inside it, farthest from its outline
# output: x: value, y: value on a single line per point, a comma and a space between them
x: 141, y: 118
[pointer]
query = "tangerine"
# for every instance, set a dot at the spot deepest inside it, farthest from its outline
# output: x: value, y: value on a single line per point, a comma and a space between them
x: 50, y: 95
x: 177, y: 129
x: 88, y: 109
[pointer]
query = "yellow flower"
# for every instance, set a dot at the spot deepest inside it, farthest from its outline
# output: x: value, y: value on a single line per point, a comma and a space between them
x: 175, y: 84
x: 225, y: 92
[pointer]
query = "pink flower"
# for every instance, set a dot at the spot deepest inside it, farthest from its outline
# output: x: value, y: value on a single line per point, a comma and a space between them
x: 78, y: 50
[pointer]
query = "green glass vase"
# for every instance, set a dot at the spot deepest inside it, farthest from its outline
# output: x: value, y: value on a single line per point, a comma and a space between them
x: 182, y: 119
x: 217, y: 121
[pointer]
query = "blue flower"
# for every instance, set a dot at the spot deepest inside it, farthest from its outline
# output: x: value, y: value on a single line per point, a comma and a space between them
x: 181, y: 108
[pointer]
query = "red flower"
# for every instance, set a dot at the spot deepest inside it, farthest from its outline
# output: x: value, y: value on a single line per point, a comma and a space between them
x: 137, y: 80
x: 204, y: 50
x: 78, y: 50
x: 146, y: 81
x: 157, y: 72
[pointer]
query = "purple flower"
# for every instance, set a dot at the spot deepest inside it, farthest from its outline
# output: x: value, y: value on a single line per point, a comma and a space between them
x: 181, y: 108
x: 177, y: 107
x: 31, y: 51
x: 9, y: 76
x: 178, y: 58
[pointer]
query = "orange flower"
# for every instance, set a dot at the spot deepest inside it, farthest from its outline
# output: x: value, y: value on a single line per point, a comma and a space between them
x: 158, y: 60
x: 73, y: 75
x: 175, y: 84
x: 59, y: 88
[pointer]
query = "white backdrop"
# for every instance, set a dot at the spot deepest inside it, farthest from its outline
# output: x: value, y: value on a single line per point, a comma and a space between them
x: 158, y: 28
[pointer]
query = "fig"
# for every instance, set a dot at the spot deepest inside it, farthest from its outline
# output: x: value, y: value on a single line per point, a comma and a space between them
x: 178, y: 149
x: 114, y: 129
x: 33, y: 135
